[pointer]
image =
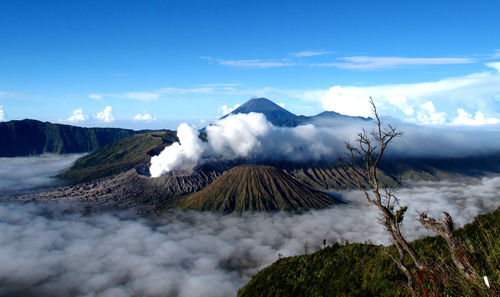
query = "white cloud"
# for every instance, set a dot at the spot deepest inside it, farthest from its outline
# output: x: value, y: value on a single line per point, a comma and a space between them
x: 409, y: 111
x: 350, y: 101
x: 494, y: 65
x: 106, y: 115
x: 224, y: 109
x: 9, y: 94
x: 192, y: 253
x: 2, y: 114
x: 466, y: 119
x: 197, y: 90
x: 428, y: 114
x: 365, y: 62
x: 77, y: 116
x: 310, y: 53
x: 215, y: 85
x: 96, y: 96
x: 476, y: 91
x: 146, y: 117
x: 254, y: 63
x: 141, y: 96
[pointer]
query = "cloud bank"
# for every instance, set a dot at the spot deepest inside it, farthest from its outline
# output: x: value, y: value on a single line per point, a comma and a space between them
x: 252, y: 137
x: 49, y: 250
x: 29, y: 173
x: 437, y: 102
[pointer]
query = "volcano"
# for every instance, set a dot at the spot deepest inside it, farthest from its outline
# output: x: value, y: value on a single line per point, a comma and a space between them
x: 273, y: 112
x: 255, y: 188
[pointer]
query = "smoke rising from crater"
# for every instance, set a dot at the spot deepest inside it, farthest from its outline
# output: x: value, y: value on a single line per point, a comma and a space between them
x: 251, y: 136
x: 51, y: 250
x: 180, y: 154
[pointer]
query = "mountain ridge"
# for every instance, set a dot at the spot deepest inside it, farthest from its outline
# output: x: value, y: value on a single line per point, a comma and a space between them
x: 281, y: 117
x: 32, y: 137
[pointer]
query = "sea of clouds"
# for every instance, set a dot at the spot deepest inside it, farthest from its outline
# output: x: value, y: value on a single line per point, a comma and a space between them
x: 29, y: 173
x: 54, y: 250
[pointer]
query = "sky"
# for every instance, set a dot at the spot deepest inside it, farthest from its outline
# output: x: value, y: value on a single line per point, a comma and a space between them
x: 154, y: 64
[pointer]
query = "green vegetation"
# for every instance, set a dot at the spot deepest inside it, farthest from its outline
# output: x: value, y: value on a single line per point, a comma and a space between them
x: 255, y: 188
x: 368, y: 270
x: 119, y: 156
x: 31, y: 137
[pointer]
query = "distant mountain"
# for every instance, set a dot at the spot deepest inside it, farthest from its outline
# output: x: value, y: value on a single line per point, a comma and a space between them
x: 255, y: 188
x: 283, y: 118
x: 273, y: 112
x: 32, y: 137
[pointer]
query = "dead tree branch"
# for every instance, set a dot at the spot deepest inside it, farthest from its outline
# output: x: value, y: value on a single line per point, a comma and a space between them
x: 444, y: 227
x: 363, y: 160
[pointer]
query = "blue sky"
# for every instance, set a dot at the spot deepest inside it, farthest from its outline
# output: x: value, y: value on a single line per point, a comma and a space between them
x: 153, y: 64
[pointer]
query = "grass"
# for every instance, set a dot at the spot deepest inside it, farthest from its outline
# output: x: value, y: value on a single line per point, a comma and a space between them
x: 367, y: 270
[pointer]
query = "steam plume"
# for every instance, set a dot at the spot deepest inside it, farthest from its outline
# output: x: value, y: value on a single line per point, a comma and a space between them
x: 180, y: 154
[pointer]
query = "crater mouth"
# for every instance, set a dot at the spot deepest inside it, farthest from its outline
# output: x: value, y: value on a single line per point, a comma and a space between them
x: 143, y: 170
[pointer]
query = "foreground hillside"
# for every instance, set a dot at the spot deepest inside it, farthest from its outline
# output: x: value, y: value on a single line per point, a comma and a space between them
x: 31, y: 137
x: 367, y: 270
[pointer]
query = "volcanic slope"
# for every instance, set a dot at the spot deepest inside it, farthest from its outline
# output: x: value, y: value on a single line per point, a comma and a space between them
x: 273, y: 112
x: 255, y: 188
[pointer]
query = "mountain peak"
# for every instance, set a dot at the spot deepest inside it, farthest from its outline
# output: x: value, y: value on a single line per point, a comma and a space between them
x: 273, y: 112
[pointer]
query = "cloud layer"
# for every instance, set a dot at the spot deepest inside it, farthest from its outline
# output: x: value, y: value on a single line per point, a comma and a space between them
x: 29, y: 173
x: 437, y: 102
x: 51, y: 250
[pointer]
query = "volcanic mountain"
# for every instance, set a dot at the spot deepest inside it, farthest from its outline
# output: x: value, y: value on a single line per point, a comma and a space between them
x: 283, y: 118
x: 255, y: 188
x: 273, y: 112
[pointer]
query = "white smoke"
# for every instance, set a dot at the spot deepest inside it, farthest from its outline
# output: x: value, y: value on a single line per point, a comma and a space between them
x: 238, y: 135
x: 49, y: 250
x: 180, y: 154
x: 251, y: 136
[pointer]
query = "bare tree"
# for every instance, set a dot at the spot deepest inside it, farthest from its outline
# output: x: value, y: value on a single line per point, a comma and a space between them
x: 363, y: 161
x: 444, y: 227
